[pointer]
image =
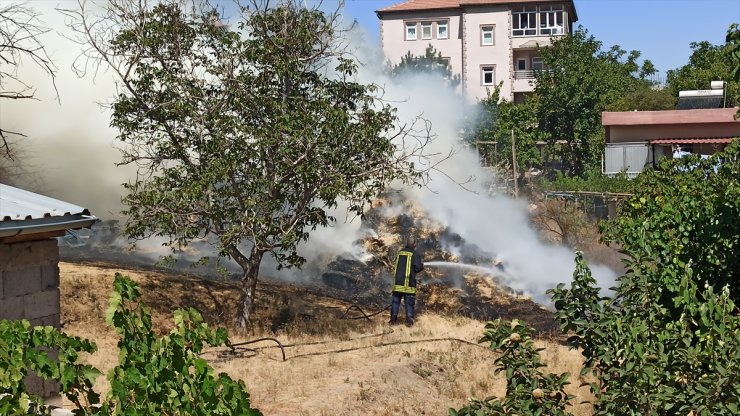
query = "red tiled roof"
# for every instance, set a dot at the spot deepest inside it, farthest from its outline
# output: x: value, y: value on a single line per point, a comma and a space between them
x: 712, y: 140
x: 410, y: 5
x: 421, y: 5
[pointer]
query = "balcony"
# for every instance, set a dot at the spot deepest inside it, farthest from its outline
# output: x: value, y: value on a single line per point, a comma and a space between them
x: 528, y: 74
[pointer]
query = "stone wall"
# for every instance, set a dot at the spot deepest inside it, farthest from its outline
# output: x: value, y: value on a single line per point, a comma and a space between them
x: 29, y: 289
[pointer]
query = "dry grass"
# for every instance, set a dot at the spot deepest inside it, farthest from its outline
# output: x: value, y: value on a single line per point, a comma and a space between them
x: 352, y: 367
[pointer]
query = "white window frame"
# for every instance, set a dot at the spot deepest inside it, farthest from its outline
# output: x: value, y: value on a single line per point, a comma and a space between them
x: 484, y: 29
x: 427, y: 25
x: 410, y: 25
x: 517, y: 14
x: 484, y: 69
x: 443, y: 24
x: 538, y: 61
x: 548, y: 20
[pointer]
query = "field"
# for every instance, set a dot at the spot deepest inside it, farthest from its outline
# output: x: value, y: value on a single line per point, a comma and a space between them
x: 333, y: 366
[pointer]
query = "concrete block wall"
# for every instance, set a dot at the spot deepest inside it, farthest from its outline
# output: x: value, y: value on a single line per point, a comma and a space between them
x: 29, y: 289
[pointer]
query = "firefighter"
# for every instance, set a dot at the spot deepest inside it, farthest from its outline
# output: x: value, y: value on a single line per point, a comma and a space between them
x: 408, y: 264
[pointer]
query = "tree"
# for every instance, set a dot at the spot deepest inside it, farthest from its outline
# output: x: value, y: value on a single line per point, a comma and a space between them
x: 665, y: 341
x: 686, y: 210
x: 20, y: 39
x: 646, y: 98
x: 580, y: 82
x: 733, y: 49
x: 247, y: 134
x: 707, y: 63
x: 651, y: 349
x: 493, y: 122
x: 431, y: 62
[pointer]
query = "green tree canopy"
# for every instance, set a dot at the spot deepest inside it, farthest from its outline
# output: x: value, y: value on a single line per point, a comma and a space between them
x: 431, y: 62
x: 667, y: 340
x: 580, y: 82
x: 686, y: 210
x: 247, y: 134
x: 707, y: 63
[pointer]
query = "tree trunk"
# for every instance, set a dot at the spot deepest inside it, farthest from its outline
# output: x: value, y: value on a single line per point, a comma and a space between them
x: 245, y: 308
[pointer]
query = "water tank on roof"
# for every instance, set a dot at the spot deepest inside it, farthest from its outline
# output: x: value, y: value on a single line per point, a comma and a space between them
x: 700, y: 99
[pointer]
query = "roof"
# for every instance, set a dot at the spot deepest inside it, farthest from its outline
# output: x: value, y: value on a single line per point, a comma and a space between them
x: 420, y: 5
x: 24, y: 212
x: 697, y: 116
x: 709, y: 140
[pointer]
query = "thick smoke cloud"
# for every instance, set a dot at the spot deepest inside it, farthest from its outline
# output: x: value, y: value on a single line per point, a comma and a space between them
x: 71, y: 150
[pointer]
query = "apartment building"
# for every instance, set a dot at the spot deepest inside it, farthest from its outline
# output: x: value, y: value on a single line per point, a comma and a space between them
x: 486, y: 42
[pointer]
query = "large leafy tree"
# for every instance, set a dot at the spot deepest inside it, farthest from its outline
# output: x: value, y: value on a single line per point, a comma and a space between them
x: 247, y: 134
x: 707, y: 63
x: 667, y: 340
x: 21, y: 34
x: 687, y: 210
x: 580, y: 82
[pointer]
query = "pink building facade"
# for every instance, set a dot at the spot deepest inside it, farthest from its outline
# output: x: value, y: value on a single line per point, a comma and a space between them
x: 639, y: 139
x: 486, y: 42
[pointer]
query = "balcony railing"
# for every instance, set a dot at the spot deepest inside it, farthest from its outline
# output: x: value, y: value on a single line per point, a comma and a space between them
x: 527, y: 74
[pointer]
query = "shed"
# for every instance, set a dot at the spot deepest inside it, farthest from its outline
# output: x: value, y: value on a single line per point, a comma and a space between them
x: 29, y: 260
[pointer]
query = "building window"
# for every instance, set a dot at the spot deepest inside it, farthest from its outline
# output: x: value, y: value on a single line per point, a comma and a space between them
x: 521, y: 65
x: 525, y: 21
x: 442, y: 31
x: 486, y: 35
x: 426, y: 30
x: 410, y: 31
x: 537, y: 64
x: 551, y: 20
x: 487, y: 75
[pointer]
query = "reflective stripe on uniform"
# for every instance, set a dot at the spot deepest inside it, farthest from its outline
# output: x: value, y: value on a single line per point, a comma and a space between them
x: 405, y: 256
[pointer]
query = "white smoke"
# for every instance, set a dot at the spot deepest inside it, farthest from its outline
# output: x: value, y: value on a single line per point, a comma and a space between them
x: 497, y: 224
x: 74, y: 158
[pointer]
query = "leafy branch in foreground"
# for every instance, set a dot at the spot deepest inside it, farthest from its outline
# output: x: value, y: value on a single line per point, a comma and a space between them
x: 654, y: 349
x: 529, y: 391
x: 25, y: 350
x: 165, y: 375
x: 154, y: 376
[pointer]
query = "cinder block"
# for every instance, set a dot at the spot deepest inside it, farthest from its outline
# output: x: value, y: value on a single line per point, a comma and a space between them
x: 11, y: 308
x: 49, y: 276
x: 51, y: 320
x: 32, y: 253
x: 51, y: 388
x: 41, y: 304
x: 22, y: 281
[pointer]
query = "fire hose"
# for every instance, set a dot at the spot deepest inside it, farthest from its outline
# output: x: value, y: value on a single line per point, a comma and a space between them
x: 238, y: 350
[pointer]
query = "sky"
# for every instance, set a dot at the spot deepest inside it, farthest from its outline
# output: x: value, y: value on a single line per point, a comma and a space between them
x: 661, y: 29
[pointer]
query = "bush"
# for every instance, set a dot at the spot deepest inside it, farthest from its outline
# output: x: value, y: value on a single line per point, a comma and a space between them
x: 528, y: 390
x: 155, y: 375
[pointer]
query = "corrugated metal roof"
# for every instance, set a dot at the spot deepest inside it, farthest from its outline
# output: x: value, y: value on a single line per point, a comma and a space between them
x: 24, y: 212
x: 710, y: 140
x: 18, y: 204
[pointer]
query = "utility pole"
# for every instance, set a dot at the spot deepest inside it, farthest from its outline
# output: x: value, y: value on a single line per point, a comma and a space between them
x: 513, y: 165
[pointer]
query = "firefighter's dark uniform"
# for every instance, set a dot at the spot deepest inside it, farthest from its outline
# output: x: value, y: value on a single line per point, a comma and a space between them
x: 408, y: 263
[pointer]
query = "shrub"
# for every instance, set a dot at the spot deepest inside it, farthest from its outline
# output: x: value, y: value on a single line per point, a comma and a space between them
x: 155, y: 375
x: 528, y: 390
